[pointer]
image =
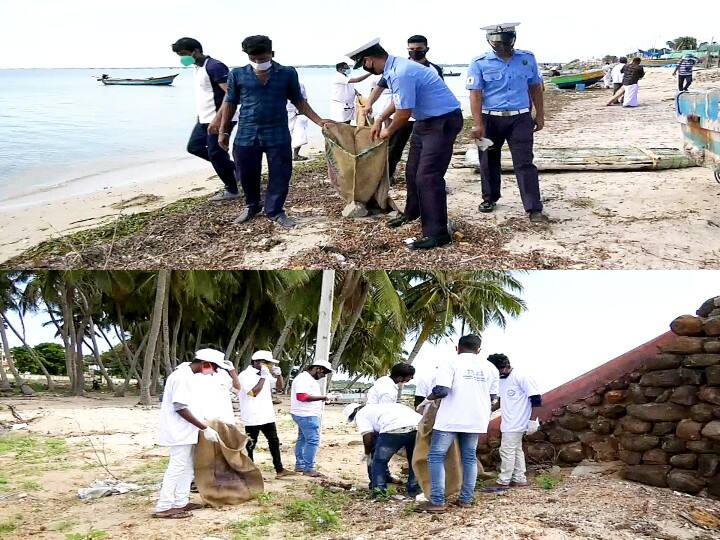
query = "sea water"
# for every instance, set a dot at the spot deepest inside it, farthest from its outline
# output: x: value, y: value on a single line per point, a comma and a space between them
x: 62, y: 126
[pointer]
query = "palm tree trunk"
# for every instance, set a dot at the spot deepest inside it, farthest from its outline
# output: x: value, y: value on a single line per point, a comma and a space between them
x: 4, y: 381
x: 422, y: 338
x: 33, y: 352
x: 121, y: 365
x: 247, y: 344
x: 166, y: 330
x: 280, y: 345
x: 68, y: 334
x: 120, y: 392
x: 236, y: 330
x: 154, y: 332
x: 354, y: 318
x: 198, y: 340
x: 98, y: 359
x: 80, y: 360
x: 356, y: 379
x: 174, y: 343
x: 23, y: 386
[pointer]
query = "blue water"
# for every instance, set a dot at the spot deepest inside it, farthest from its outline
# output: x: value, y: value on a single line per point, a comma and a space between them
x: 61, y: 125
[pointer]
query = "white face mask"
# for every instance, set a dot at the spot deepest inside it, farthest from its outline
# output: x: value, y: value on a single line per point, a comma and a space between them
x: 261, y: 67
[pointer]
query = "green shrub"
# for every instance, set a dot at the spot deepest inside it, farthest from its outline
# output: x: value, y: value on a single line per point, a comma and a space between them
x: 547, y: 481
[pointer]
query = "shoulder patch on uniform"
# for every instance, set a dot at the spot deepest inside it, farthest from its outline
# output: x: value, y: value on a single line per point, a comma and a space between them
x: 520, y: 51
x: 471, y: 80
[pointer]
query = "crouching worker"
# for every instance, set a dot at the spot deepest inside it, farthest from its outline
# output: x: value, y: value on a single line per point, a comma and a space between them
x: 179, y: 429
x: 519, y: 395
x: 395, y: 426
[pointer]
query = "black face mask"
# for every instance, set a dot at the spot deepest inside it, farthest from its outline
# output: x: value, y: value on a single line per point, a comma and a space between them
x: 506, y: 45
x: 371, y: 70
x: 417, y: 55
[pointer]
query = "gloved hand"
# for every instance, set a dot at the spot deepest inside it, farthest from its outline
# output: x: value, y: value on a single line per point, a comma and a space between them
x: 421, y: 408
x: 276, y: 370
x: 533, y: 426
x: 211, y: 435
x: 265, y: 373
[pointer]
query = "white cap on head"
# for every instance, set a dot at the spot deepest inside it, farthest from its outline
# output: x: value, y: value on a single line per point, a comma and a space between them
x: 323, y: 363
x: 265, y: 356
x: 363, y: 48
x: 214, y: 357
x: 370, y: 48
x: 349, y: 409
x: 502, y: 27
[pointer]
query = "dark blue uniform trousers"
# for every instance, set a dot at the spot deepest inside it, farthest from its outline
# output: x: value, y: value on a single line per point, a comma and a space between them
x: 431, y: 149
x: 205, y: 145
x: 248, y: 160
x: 518, y: 132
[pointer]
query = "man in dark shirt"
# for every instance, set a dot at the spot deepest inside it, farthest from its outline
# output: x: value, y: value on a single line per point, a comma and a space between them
x: 417, y: 51
x: 262, y: 89
x: 632, y: 73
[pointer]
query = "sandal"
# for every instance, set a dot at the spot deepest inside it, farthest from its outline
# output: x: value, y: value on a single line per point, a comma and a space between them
x: 192, y: 506
x: 172, y: 515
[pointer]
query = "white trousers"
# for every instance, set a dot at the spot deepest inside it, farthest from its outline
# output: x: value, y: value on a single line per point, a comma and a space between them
x: 512, y: 465
x: 175, y: 489
x: 630, y: 99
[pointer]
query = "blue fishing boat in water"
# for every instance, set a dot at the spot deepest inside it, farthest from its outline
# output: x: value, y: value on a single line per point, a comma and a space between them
x: 150, y: 81
x: 697, y: 112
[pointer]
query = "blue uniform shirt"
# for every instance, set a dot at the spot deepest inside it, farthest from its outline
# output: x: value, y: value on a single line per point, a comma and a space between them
x: 418, y: 88
x: 504, y: 84
x: 263, y: 109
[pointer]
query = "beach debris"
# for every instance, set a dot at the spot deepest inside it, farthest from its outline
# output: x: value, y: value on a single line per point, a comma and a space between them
x: 106, y: 488
x: 702, y: 518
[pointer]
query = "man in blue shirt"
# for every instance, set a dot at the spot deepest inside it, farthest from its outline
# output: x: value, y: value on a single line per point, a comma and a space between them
x: 501, y: 85
x: 263, y: 89
x: 211, y: 77
x: 421, y: 93
x: 684, y: 71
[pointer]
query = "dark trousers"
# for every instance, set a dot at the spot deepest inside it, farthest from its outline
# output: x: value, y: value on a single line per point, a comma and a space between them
x: 270, y: 432
x: 684, y: 82
x: 248, y: 161
x: 431, y: 149
x: 386, y: 447
x: 388, y: 475
x: 616, y: 87
x: 396, y: 146
x: 518, y: 132
x: 205, y: 145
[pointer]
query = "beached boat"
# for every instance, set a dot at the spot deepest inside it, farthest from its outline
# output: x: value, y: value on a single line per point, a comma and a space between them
x: 451, y: 73
x: 588, y: 78
x: 699, y: 117
x: 150, y: 81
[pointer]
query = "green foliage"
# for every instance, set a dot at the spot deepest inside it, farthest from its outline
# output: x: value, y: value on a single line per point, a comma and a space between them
x: 319, y: 513
x: 4, y: 483
x: 30, y: 485
x: 51, y: 354
x: 92, y: 534
x: 251, y: 528
x: 151, y: 472
x: 9, y: 525
x: 63, y: 526
x: 31, y: 449
x: 547, y: 481
x: 264, y: 499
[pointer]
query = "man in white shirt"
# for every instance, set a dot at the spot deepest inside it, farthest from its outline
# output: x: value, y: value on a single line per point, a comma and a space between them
x: 385, y: 389
x: 519, y: 394
x: 306, y: 408
x: 342, y: 94
x: 211, y: 78
x: 467, y: 385
x: 385, y: 429
x: 179, y: 426
x: 218, y: 389
x: 256, y: 406
x: 424, y: 382
x: 616, y: 75
x: 297, y: 124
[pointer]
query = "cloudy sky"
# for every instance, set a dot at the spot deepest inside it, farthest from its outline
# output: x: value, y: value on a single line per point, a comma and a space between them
x: 137, y: 33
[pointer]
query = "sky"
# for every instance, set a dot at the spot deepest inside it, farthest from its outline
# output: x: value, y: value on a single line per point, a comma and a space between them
x: 138, y: 33
x: 575, y: 320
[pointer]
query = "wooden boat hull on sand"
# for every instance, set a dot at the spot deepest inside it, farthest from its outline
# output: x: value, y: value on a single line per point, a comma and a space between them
x: 588, y: 78
x: 699, y: 115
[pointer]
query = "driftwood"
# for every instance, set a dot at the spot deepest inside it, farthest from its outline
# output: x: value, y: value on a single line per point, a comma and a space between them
x: 596, y: 159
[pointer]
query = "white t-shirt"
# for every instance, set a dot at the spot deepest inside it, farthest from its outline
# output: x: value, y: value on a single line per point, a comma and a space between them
x: 258, y: 410
x: 181, y: 387
x: 305, y: 384
x: 515, y: 406
x: 466, y: 408
x: 383, y: 391
x: 616, y: 74
x: 386, y: 417
x: 342, y: 98
x: 217, y: 391
x: 424, y: 383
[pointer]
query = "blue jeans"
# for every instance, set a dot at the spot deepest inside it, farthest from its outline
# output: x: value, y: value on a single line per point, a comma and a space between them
x: 439, y: 446
x: 205, y: 145
x: 308, y: 442
x: 386, y: 445
x: 248, y: 161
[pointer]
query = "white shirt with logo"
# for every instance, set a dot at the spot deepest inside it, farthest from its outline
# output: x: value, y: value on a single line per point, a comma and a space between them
x: 515, y: 406
x: 383, y: 391
x: 304, y: 383
x: 424, y: 383
x: 342, y: 98
x: 386, y: 417
x: 258, y: 410
x: 466, y: 408
x: 181, y: 387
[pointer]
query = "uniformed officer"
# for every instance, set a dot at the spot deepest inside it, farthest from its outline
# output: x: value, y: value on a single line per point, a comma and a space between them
x: 501, y: 84
x: 421, y: 93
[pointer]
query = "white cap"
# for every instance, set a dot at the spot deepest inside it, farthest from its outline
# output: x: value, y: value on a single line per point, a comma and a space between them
x: 502, y: 27
x: 323, y: 363
x: 370, y: 48
x: 349, y: 409
x: 214, y: 357
x: 265, y: 356
x: 365, y: 47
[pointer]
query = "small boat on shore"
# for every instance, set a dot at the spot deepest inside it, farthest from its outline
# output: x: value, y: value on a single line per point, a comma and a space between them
x: 699, y: 115
x: 451, y: 73
x: 588, y: 78
x: 149, y: 81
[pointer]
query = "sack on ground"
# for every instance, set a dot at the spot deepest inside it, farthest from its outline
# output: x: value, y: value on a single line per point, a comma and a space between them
x: 224, y: 474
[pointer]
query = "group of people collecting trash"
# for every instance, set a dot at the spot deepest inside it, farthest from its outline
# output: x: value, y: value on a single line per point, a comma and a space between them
x: 439, y: 436
x: 506, y: 98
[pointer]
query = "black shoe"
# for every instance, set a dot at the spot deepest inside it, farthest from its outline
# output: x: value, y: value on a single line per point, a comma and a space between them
x: 538, y: 217
x: 247, y: 214
x: 431, y: 242
x: 283, y: 220
x: 399, y: 221
x: 486, y: 207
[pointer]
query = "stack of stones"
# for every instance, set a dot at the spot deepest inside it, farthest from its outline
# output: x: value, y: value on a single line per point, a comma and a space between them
x: 662, y: 421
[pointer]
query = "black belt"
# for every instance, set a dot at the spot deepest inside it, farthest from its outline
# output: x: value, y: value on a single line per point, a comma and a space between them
x: 446, y: 115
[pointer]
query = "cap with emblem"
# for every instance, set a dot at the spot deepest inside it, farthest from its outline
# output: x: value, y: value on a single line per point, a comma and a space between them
x: 501, y: 36
x: 369, y: 49
x: 500, y: 28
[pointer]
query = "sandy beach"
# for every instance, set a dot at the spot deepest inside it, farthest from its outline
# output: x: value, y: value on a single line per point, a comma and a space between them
x: 599, y: 219
x: 68, y: 438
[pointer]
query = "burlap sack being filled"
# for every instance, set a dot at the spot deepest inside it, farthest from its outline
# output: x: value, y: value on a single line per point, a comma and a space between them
x: 453, y: 464
x: 224, y: 474
x: 357, y: 167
